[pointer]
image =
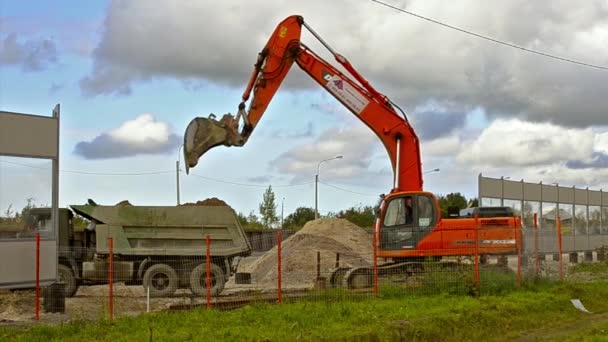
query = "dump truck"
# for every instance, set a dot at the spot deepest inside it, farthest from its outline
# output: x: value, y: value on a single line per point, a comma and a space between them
x: 162, y: 248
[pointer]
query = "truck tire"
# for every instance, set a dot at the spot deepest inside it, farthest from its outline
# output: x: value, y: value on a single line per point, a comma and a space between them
x: 161, y: 279
x: 198, y: 282
x: 66, y: 275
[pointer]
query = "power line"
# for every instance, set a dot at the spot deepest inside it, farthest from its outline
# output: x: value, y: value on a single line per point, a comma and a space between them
x: 250, y: 185
x: 156, y: 173
x: 346, y: 190
x: 491, y: 39
x: 91, y: 173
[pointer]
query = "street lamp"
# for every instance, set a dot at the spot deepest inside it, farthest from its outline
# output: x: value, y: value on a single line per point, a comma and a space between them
x: 434, y: 170
x: 317, y: 184
x: 177, y: 171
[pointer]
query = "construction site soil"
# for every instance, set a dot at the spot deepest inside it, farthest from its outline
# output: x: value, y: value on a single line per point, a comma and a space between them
x: 213, y: 201
x: 328, y: 237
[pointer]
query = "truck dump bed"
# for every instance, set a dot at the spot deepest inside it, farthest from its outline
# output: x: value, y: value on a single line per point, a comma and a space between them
x: 164, y: 230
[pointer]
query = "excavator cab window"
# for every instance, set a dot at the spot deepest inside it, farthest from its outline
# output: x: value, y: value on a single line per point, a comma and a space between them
x: 425, y: 210
x: 407, y: 219
x: 399, y: 212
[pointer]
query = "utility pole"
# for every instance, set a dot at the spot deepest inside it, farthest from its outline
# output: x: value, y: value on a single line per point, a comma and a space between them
x: 177, y: 172
x: 177, y: 179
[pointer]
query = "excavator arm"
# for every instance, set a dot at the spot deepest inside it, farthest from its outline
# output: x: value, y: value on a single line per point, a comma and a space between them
x: 274, y: 62
x: 429, y: 234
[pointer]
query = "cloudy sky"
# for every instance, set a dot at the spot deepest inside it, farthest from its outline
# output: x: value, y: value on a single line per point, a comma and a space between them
x: 130, y: 75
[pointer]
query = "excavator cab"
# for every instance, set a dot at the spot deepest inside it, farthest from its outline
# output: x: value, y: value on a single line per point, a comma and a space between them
x: 203, y: 134
x: 406, y: 219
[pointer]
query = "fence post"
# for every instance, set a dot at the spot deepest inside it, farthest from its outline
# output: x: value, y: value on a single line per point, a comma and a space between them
x: 279, y: 238
x: 536, y: 261
x: 37, y: 276
x: 518, y: 236
x: 111, y: 277
x: 208, y: 270
x: 375, y: 248
x: 476, y: 262
x: 147, y: 298
x: 318, y: 265
x: 559, y: 248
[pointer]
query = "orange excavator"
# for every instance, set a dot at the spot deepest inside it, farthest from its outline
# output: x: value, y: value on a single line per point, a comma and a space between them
x: 409, y: 226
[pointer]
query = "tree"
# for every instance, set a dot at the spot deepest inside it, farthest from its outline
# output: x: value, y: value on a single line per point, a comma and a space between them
x: 242, y: 218
x: 299, y: 217
x: 454, y: 199
x: 25, y: 212
x: 361, y: 216
x: 249, y: 222
x: 268, y: 209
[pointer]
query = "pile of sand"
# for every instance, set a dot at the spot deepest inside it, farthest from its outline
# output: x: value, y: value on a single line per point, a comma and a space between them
x: 213, y: 201
x: 299, y: 254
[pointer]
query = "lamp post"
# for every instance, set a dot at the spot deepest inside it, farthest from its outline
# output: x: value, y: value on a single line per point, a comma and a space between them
x: 177, y: 171
x: 317, y: 184
x: 433, y: 170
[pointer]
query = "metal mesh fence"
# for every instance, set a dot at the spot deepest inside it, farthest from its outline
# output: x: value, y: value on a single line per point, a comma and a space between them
x: 297, y: 267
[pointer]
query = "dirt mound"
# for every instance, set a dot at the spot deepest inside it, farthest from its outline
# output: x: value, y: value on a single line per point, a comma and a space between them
x: 124, y: 203
x: 212, y: 202
x: 299, y: 253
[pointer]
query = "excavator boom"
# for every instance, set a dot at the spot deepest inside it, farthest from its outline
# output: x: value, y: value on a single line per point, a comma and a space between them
x: 274, y: 62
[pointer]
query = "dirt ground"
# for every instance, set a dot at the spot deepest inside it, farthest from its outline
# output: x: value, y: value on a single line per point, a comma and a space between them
x: 92, y: 303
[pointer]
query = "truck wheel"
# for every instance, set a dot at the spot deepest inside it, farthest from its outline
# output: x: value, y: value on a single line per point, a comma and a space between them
x: 161, y: 279
x: 198, y: 282
x: 66, y: 275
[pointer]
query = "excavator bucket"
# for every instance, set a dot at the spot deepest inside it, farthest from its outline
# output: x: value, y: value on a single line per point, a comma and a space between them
x: 202, y: 134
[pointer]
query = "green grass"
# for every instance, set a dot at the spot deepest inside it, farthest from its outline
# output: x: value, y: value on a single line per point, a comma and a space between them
x: 591, y: 267
x: 535, y: 310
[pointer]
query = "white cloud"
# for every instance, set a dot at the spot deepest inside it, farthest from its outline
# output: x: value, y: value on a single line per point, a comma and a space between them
x: 601, y: 142
x: 142, y: 135
x: 142, y: 129
x: 441, y: 147
x: 516, y: 142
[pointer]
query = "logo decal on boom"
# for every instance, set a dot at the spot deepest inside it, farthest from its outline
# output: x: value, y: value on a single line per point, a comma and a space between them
x: 346, y: 93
